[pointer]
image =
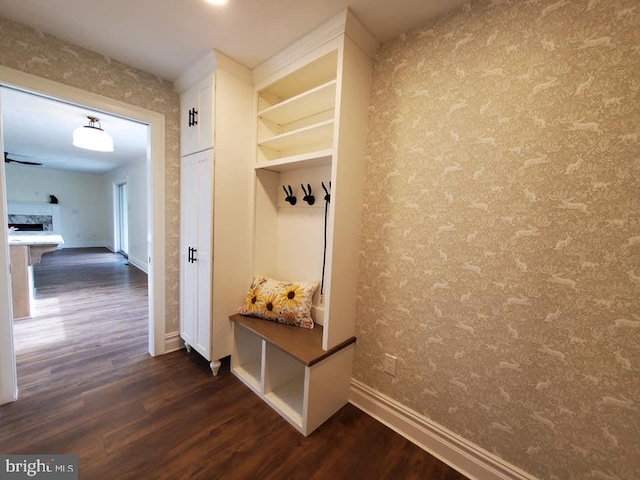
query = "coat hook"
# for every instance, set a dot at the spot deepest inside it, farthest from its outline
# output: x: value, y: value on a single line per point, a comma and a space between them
x: 289, y: 195
x: 308, y: 195
x: 327, y: 195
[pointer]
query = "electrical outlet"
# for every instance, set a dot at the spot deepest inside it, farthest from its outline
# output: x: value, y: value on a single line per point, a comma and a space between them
x: 389, y: 364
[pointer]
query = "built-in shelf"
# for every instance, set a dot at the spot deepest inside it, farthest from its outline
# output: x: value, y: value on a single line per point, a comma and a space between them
x: 310, y: 109
x: 307, y: 78
x: 289, y: 399
x: 306, y: 104
x: 289, y: 361
x: 296, y: 115
x: 320, y: 158
x: 251, y: 373
x: 313, y: 137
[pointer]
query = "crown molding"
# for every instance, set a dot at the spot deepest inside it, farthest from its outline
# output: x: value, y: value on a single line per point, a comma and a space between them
x: 344, y: 23
x: 208, y: 64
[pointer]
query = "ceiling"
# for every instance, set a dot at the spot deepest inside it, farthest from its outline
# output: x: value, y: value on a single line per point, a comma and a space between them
x: 165, y: 37
x: 38, y: 129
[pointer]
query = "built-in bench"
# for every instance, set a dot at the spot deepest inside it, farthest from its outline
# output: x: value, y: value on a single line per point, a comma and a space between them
x: 303, y: 344
x: 287, y: 367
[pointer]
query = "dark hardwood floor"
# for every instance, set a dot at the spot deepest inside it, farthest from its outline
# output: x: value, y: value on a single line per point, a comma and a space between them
x: 89, y: 387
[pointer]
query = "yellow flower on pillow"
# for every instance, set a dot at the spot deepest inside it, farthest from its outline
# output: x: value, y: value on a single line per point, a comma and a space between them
x: 254, y: 301
x: 271, y: 306
x: 284, y: 302
x: 290, y: 296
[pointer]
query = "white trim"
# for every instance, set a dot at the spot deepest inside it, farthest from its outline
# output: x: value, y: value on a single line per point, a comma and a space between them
x: 207, y: 64
x: 139, y: 264
x: 85, y: 244
x: 360, y: 35
x: 324, y: 33
x: 344, y: 22
x: 172, y: 342
x: 229, y: 65
x: 452, y: 449
x: 8, y: 375
x: 155, y: 191
x: 203, y: 66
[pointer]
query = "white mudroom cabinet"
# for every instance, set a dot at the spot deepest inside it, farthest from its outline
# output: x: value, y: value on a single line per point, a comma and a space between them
x: 310, y: 115
x: 215, y: 202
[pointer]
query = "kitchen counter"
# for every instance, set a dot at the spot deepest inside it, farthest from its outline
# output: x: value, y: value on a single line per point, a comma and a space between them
x: 26, y: 249
x: 34, y: 238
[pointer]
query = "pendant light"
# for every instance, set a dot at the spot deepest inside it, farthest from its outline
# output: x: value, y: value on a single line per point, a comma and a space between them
x: 93, y: 137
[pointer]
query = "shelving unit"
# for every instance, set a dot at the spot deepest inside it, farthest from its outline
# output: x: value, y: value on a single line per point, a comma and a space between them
x: 284, y: 384
x: 296, y: 114
x: 288, y: 367
x: 311, y: 111
x: 248, y: 358
x: 215, y: 206
x: 300, y: 81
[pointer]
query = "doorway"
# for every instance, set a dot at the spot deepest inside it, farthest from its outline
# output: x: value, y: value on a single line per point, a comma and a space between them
x: 155, y: 216
x: 121, y: 220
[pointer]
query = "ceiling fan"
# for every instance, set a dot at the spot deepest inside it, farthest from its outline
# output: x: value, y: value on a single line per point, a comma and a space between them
x: 13, y: 160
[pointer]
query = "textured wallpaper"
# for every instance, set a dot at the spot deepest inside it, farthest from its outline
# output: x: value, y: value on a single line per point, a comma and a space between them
x: 28, y: 50
x: 501, y: 248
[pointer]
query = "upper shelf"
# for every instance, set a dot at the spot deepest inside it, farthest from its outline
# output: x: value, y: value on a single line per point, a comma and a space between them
x: 316, y: 73
x: 308, y: 103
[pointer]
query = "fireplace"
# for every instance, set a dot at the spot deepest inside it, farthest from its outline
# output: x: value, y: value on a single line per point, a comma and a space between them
x: 31, y: 223
x: 34, y: 217
x: 27, y: 227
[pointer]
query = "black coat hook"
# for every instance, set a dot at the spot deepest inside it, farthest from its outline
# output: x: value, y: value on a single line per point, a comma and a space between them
x: 308, y: 195
x: 289, y: 195
x: 327, y: 195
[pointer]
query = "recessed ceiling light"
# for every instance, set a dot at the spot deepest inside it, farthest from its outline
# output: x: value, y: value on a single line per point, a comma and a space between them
x: 217, y: 2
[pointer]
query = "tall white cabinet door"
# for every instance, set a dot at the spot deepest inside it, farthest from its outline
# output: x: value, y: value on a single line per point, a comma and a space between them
x: 188, y: 241
x: 204, y: 255
x: 196, y: 180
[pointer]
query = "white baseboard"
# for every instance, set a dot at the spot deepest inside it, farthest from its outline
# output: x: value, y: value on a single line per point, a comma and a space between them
x: 140, y: 265
x: 172, y: 342
x: 455, y: 451
x: 83, y: 244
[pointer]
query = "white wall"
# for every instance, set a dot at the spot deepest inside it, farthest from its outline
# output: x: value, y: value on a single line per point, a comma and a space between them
x: 87, y: 204
x: 83, y: 200
x: 135, y: 175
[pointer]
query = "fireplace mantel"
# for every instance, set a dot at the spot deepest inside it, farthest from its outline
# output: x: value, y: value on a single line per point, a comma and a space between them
x: 28, y: 209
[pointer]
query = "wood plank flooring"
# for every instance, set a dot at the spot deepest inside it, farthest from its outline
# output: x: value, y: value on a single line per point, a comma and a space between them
x: 88, y: 387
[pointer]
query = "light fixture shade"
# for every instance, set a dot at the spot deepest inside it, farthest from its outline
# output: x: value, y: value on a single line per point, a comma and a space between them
x: 93, y: 137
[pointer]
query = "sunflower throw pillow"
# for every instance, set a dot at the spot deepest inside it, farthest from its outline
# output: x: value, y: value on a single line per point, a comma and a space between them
x: 284, y: 302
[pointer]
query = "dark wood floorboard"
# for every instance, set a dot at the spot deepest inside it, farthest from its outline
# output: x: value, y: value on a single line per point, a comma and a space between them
x: 89, y: 387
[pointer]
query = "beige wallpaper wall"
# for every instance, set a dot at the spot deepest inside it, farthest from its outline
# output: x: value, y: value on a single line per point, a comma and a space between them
x: 501, y: 248
x: 28, y: 50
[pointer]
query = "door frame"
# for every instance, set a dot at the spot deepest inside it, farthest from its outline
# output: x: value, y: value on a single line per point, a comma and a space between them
x: 155, y: 216
x: 121, y: 217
